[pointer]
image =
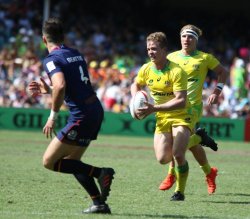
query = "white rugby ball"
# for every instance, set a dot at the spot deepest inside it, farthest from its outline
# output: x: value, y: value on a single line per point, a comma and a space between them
x: 137, y: 102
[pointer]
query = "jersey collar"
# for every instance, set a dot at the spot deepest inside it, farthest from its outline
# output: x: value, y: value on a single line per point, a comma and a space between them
x: 161, y: 71
x: 194, y: 53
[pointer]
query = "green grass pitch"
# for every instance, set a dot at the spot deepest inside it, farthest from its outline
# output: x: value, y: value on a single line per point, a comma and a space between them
x: 27, y: 190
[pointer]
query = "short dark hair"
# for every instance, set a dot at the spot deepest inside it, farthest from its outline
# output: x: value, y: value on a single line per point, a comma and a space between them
x: 159, y: 37
x: 53, y: 30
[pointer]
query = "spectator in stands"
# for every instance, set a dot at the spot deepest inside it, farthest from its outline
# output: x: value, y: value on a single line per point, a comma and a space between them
x: 115, y: 37
x: 238, y: 78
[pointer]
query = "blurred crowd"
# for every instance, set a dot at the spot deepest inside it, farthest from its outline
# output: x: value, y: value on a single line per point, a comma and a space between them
x: 113, y: 52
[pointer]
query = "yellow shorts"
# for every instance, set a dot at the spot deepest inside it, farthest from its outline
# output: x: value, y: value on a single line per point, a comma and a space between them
x: 166, y: 120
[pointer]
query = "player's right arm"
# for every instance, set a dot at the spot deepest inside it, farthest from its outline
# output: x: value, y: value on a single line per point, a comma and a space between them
x: 59, y: 85
x: 134, y: 88
x: 139, y: 80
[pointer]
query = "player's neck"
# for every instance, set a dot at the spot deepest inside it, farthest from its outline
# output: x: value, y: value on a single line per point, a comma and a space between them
x: 52, y: 46
x: 188, y: 52
x: 161, y: 65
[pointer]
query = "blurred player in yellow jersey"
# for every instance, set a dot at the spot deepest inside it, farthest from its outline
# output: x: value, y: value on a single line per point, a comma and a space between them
x: 196, y: 64
x: 167, y: 83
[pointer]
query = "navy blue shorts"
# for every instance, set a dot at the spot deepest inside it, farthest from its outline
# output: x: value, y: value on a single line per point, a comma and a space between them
x: 82, y: 129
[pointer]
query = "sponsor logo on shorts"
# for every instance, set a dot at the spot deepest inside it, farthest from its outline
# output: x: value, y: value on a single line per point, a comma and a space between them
x: 72, y: 135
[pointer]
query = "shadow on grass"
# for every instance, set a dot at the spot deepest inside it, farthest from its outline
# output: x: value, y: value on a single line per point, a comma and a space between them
x: 233, y: 195
x: 236, y: 194
x: 159, y: 216
x: 229, y: 202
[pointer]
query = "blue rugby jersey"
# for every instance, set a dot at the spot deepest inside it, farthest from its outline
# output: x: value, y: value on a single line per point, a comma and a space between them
x: 74, y: 67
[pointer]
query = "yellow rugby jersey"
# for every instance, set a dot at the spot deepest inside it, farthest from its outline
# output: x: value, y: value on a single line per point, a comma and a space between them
x: 163, y: 83
x: 196, y: 66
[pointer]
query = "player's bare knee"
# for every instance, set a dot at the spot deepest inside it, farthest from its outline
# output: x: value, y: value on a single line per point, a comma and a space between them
x: 48, y: 164
x: 162, y: 160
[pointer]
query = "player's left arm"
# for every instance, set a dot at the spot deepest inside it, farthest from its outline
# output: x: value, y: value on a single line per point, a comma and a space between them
x: 178, y: 102
x: 222, y: 75
x: 36, y: 88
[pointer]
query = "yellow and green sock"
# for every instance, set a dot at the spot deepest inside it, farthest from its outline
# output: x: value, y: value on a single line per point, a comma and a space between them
x: 181, y: 177
x: 206, y: 168
x: 171, y: 170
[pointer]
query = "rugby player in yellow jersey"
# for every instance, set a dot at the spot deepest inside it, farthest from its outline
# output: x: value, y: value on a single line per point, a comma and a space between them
x: 167, y: 83
x: 196, y: 64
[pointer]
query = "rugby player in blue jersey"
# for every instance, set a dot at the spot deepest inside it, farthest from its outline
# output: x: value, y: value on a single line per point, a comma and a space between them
x: 70, y: 83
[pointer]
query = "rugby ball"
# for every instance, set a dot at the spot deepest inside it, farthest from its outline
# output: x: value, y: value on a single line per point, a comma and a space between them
x: 137, y: 102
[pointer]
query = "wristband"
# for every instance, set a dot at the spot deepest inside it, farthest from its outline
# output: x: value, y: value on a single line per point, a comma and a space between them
x: 220, y: 86
x: 53, y: 115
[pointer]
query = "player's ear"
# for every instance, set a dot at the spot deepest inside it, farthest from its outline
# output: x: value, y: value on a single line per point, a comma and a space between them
x: 44, y: 40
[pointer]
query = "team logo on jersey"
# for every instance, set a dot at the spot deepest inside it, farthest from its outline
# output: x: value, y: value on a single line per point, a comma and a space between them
x: 150, y: 82
x: 188, y: 119
x: 186, y: 62
x: 72, y: 135
x: 196, y: 67
x: 158, y: 79
x: 167, y: 83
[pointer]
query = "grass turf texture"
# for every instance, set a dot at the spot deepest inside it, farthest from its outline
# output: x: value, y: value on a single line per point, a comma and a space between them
x: 27, y: 190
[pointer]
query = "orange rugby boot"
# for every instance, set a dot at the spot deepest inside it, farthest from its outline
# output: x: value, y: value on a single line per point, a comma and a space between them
x: 168, y: 182
x: 210, y: 179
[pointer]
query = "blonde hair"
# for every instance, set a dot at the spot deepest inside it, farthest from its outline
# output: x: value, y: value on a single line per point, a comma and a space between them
x: 192, y: 27
x: 159, y: 37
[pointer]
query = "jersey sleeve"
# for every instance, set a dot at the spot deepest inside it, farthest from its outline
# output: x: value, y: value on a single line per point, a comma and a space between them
x: 52, y: 65
x: 140, y: 78
x: 212, y: 62
x: 170, y: 56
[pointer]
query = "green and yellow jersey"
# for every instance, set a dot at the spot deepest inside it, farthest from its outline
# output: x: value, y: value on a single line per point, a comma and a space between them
x: 196, y: 66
